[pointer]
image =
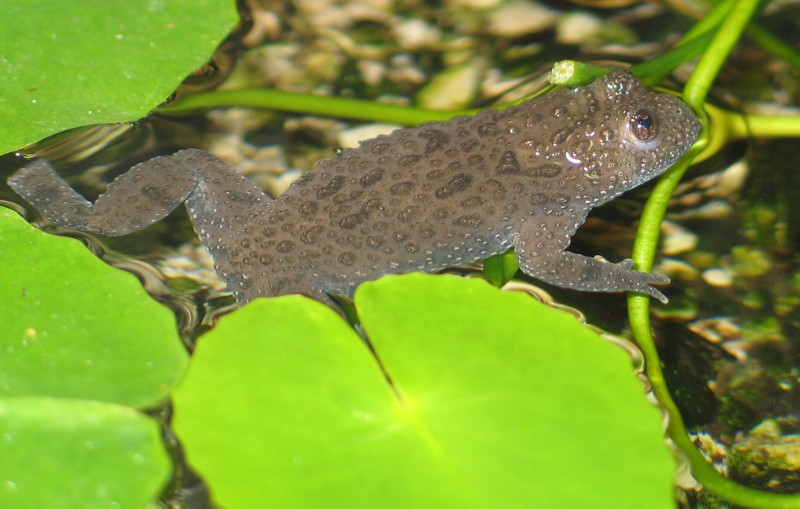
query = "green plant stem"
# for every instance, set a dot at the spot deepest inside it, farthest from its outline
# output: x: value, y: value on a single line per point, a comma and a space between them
x: 339, y: 107
x: 773, y: 45
x: 644, y: 250
x: 704, y: 472
x: 727, y: 126
x: 717, y: 52
x: 768, y: 126
x: 690, y: 46
x: 572, y: 73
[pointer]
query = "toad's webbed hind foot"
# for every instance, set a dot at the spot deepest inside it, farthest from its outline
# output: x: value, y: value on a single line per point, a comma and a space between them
x: 143, y: 195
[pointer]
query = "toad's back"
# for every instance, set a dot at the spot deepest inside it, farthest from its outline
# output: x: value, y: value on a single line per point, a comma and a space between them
x: 424, y: 198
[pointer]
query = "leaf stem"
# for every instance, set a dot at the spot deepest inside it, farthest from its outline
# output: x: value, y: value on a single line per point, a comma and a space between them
x: 689, y: 47
x: 730, y: 30
x: 773, y: 45
x: 704, y: 472
x: 727, y: 126
x: 340, y: 107
x: 717, y: 52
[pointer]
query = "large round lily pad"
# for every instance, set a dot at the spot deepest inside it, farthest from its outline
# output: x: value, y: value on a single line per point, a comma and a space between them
x: 488, y: 399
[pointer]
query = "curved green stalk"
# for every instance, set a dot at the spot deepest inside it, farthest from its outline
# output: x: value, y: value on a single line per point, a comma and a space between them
x: 704, y: 472
x: 340, y: 107
x: 689, y: 47
x: 727, y: 126
x: 723, y: 127
x: 644, y: 252
x: 768, y: 126
x: 773, y: 45
x: 717, y: 52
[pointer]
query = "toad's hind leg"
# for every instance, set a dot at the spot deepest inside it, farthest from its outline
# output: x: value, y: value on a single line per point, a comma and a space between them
x: 136, y: 199
x: 229, y: 214
x: 223, y: 205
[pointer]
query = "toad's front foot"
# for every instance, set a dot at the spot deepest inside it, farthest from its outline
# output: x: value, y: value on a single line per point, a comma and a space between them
x: 641, y: 281
x: 580, y: 272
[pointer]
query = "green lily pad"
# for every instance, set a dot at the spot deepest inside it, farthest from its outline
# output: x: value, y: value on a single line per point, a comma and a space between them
x: 75, y: 327
x: 74, y: 453
x: 488, y: 399
x: 70, y: 64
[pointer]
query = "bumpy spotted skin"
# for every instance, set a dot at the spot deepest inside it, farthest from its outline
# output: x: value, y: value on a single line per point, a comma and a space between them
x: 418, y: 199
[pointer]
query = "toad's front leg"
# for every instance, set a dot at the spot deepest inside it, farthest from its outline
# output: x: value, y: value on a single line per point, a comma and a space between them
x: 570, y: 270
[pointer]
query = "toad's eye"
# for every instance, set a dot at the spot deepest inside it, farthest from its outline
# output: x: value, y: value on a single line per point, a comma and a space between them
x: 643, y: 126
